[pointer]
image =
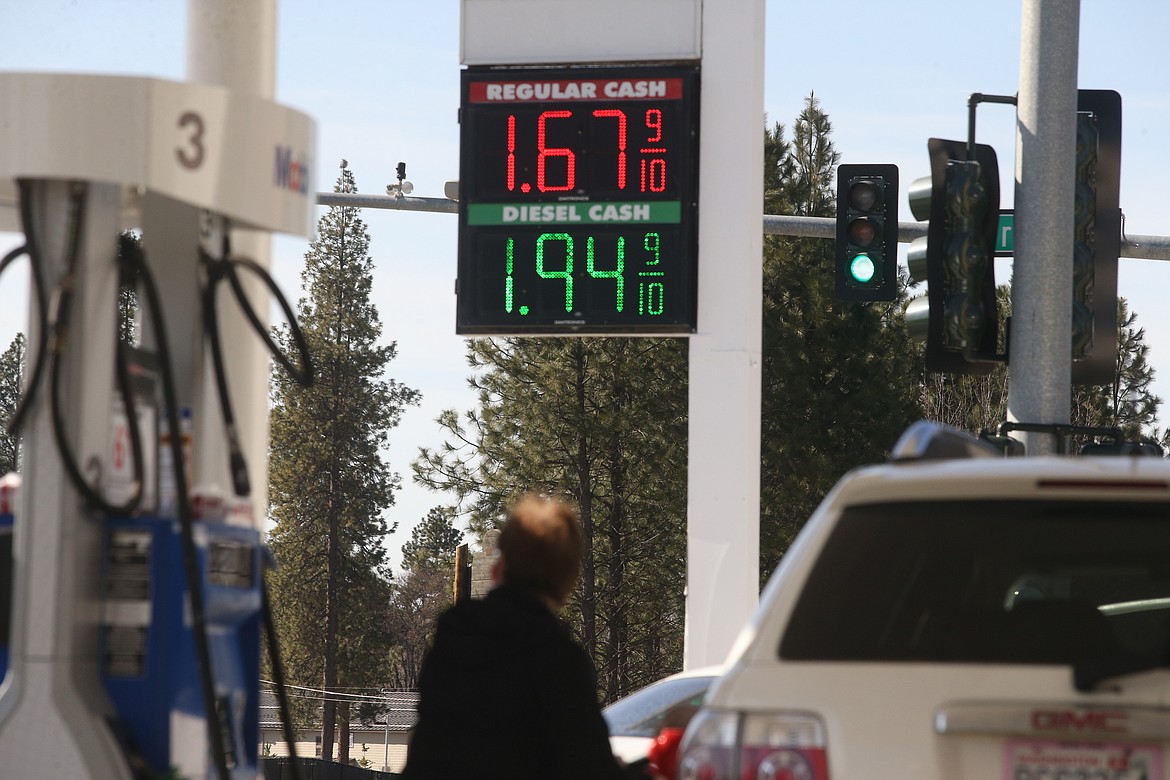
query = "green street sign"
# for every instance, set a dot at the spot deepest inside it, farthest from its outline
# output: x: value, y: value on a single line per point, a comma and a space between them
x: 1004, y: 245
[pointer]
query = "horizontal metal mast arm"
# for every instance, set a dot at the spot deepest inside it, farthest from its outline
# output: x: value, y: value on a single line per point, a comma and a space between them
x: 402, y: 203
x: 1141, y: 247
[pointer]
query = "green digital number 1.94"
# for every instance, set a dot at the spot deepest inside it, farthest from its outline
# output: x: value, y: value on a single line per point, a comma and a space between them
x: 555, y: 256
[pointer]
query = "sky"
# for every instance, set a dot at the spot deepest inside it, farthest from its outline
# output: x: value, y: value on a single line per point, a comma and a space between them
x: 381, y: 80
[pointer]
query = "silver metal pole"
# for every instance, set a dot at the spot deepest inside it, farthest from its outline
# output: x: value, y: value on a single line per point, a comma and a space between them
x: 397, y: 203
x: 1039, y: 389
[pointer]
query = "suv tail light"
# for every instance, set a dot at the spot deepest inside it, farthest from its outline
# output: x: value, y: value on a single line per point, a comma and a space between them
x: 663, y: 753
x: 782, y: 745
x: 708, y: 748
x: 771, y: 746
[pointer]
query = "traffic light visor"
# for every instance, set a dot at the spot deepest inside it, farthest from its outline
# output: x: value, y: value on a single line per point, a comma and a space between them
x: 865, y: 195
x: 862, y: 232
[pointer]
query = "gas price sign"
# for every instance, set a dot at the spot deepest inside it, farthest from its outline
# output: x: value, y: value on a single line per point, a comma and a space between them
x: 578, y: 202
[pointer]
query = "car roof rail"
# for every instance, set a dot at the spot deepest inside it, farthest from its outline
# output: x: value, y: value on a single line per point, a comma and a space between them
x: 1106, y: 440
x: 1134, y: 448
x: 932, y: 440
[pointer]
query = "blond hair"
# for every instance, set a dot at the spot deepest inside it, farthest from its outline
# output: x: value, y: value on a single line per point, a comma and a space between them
x: 541, y: 543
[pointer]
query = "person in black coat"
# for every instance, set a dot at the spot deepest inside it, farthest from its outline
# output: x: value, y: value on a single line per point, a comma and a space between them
x: 505, y: 692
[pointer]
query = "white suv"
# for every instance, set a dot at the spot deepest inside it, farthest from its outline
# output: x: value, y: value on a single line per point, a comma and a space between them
x: 958, y: 618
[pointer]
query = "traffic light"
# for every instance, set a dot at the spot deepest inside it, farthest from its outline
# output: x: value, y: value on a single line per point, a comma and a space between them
x: 1084, y: 226
x: 867, y: 232
x: 1097, y: 237
x: 960, y: 318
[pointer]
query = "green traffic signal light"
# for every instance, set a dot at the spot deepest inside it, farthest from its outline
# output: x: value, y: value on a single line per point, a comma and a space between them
x: 867, y: 232
x: 862, y: 269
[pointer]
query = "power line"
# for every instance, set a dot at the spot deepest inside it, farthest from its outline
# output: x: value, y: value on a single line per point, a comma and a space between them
x: 342, y: 697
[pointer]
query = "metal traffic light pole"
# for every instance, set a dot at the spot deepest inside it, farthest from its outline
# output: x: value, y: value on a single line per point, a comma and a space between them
x: 1040, y: 387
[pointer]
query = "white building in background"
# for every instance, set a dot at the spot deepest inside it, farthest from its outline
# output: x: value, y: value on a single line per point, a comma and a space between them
x: 379, y: 745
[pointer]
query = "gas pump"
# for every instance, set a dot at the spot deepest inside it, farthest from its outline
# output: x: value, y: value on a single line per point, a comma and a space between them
x: 9, y: 495
x: 137, y: 585
x: 149, y: 663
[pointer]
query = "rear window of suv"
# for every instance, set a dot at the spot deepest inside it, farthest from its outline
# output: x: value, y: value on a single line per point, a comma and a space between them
x: 1038, y: 582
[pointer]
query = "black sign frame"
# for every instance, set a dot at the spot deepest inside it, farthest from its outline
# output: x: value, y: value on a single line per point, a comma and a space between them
x: 578, y: 201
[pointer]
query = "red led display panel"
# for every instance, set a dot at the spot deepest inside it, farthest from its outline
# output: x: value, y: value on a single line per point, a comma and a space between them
x: 578, y: 201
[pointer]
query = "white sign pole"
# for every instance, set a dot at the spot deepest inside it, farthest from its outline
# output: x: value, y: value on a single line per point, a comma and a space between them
x: 723, y: 463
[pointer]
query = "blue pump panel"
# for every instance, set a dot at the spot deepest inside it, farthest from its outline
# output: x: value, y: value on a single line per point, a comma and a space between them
x: 149, y: 665
x: 5, y: 590
x: 9, y: 498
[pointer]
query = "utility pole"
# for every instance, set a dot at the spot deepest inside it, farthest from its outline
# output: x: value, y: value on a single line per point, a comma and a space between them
x: 1041, y: 335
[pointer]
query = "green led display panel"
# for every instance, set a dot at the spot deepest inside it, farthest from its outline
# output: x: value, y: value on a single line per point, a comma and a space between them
x: 578, y: 201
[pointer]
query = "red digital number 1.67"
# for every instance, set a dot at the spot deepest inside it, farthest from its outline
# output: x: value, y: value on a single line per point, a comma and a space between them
x: 652, y: 163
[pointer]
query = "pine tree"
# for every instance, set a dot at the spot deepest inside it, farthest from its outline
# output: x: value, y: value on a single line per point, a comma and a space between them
x: 422, y: 595
x: 329, y: 487
x: 1128, y: 402
x: 840, y: 381
x: 975, y: 403
x: 602, y: 421
x: 433, y: 541
x: 11, y: 386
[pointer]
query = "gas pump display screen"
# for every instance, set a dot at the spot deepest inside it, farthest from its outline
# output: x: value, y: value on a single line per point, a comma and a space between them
x: 578, y: 201
x: 230, y: 564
